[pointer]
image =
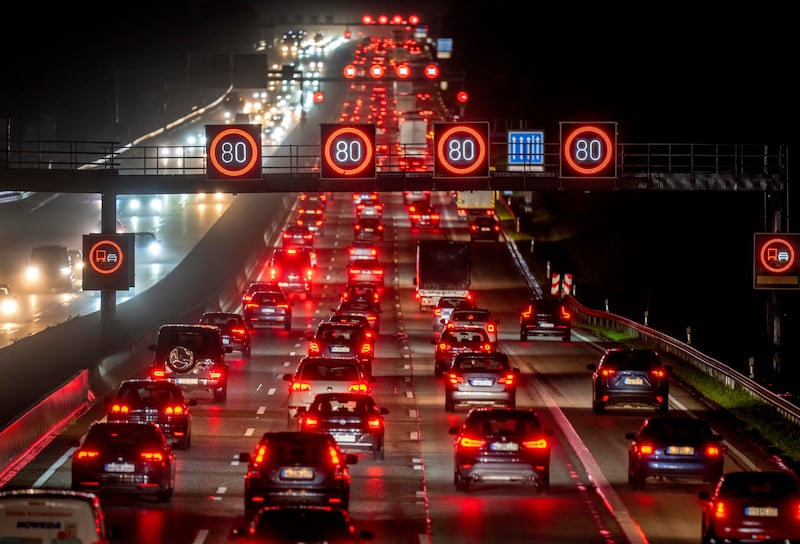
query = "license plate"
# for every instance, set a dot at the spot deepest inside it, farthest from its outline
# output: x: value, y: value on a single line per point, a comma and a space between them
x: 344, y: 437
x: 297, y: 473
x: 761, y: 511
x: 120, y: 467
x: 680, y: 450
x: 267, y: 310
x: 186, y: 381
x: 226, y: 340
x: 340, y: 349
x: 634, y: 381
x: 485, y: 229
x: 546, y: 325
x: 504, y: 446
x: 481, y: 382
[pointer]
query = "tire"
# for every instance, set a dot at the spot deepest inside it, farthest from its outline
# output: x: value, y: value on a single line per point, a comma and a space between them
x: 165, y: 496
x: 287, y: 325
x: 634, y: 481
x: 221, y: 393
x: 449, y: 405
x: 567, y: 337
x: 460, y: 483
x: 663, y: 408
x: 598, y: 408
x: 246, y: 352
x: 543, y: 483
x: 378, y: 453
x: 523, y: 336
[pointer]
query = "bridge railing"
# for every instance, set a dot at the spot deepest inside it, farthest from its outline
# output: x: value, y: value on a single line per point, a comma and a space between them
x: 632, y: 159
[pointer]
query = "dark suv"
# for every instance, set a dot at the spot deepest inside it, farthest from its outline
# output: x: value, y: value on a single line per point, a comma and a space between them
x: 630, y: 376
x: 193, y: 357
x: 545, y: 317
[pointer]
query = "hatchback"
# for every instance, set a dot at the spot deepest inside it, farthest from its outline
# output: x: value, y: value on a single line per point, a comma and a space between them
x: 125, y: 458
x: 293, y: 467
x: 367, y: 272
x: 151, y: 401
x: 757, y: 506
x: 270, y: 309
x: 235, y: 332
x: 632, y: 377
x: 367, y: 309
x: 337, y: 339
x: 484, y: 227
x: 545, y: 317
x: 502, y: 446
x: 424, y: 215
x: 368, y: 228
x: 297, y: 236
x: 480, y: 379
x: 457, y: 340
x: 324, y: 375
x: 353, y: 419
x: 362, y: 249
x: 256, y: 286
x: 474, y: 317
x: 674, y: 447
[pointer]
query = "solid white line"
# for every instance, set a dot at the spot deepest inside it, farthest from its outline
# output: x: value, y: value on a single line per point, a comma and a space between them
x: 53, y: 468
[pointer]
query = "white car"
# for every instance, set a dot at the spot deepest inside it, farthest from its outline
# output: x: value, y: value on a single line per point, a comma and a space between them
x: 479, y: 318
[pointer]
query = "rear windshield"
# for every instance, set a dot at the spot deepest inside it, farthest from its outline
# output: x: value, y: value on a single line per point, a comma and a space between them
x: 756, y: 485
x: 632, y: 360
x: 329, y: 372
x: 489, y: 424
x: 481, y: 363
x: 200, y: 344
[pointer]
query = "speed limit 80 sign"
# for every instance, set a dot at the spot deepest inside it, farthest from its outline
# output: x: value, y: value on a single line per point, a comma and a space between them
x: 588, y: 150
x: 233, y: 151
x: 461, y: 150
x: 347, y: 151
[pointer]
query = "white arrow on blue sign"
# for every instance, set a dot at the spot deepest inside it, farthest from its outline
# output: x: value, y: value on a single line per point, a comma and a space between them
x: 525, y: 147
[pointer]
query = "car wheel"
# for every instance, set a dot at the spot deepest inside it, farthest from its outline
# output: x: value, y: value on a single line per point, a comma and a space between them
x: 378, y: 452
x: 566, y: 337
x: 165, y: 495
x: 461, y: 484
x: 663, y: 408
x: 246, y: 352
x: 598, y: 408
x: 449, y: 405
x: 287, y: 325
x: 543, y: 482
x: 512, y: 404
x: 221, y: 393
x: 523, y: 336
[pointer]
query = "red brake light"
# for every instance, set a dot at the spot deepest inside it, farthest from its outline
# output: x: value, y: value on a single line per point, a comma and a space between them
x: 299, y: 386
x: 712, y: 450
x: 508, y: 379
x: 469, y: 442
x: 607, y: 372
x: 310, y: 420
x: 158, y: 373
x: 720, y: 510
x: 536, y: 444
x: 646, y: 449
x: 152, y: 456
x: 120, y: 409
x: 174, y: 410
x: 374, y: 422
x: 313, y: 348
x: 86, y: 454
x: 358, y: 388
x: 335, y: 459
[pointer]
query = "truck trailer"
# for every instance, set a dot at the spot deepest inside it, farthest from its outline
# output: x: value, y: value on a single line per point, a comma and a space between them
x: 443, y: 269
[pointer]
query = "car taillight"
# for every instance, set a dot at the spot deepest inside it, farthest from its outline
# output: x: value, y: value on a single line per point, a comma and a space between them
x: 260, y: 454
x: 366, y: 348
x: 120, y: 409
x: 490, y: 328
x: 334, y: 455
x: 313, y: 349
x: 526, y: 313
x: 152, y: 456
x: 536, y: 444
x: 299, y: 386
x: 470, y: 442
x: 310, y: 421
x: 215, y: 374
x: 454, y: 378
x: 712, y: 450
x: 486, y: 347
x: 608, y: 372
x: 273, y: 273
x: 84, y: 455
x: 251, y: 305
x: 174, y: 410
x: 157, y: 373
x: 437, y: 312
x: 309, y: 273
x: 374, y: 422
x: 720, y: 510
x: 658, y: 373
x: 646, y: 449
x: 508, y: 379
x: 358, y: 388
x: 443, y: 346
x: 565, y: 314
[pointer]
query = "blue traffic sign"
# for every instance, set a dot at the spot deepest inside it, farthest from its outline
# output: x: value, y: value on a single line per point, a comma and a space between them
x: 525, y: 147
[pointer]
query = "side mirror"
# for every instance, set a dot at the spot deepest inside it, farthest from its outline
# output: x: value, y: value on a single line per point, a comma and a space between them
x: 384, y: 411
x: 630, y: 436
x: 287, y: 377
x: 191, y: 402
x: 452, y: 430
x: 591, y: 367
x: 244, y: 457
x: 516, y: 370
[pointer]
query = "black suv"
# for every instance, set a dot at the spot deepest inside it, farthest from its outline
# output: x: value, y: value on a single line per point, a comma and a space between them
x: 193, y: 357
x: 545, y: 317
x: 630, y: 376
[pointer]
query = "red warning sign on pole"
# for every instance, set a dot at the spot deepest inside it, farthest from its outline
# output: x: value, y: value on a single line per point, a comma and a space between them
x: 566, y: 285
x: 555, y: 284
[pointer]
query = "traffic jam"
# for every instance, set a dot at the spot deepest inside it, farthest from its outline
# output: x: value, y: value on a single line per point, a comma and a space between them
x: 376, y: 381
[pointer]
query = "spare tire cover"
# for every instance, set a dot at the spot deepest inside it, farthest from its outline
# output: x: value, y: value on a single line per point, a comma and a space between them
x: 181, y: 359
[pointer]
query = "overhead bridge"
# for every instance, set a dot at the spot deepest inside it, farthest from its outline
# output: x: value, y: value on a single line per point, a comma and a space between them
x: 105, y: 167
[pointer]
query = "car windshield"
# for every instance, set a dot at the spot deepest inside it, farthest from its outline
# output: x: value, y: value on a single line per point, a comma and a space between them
x: 199, y: 344
x: 136, y: 395
x: 132, y: 435
x: 337, y: 334
x: 632, y: 360
x: 677, y: 429
x: 266, y: 299
x: 341, y: 406
x: 480, y: 363
x: 499, y: 424
x: 755, y: 485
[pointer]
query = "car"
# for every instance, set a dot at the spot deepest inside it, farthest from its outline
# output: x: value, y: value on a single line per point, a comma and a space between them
x: 154, y: 401
x: 147, y: 246
x: 415, y: 197
x: 124, y: 458
x: 366, y: 293
x: 368, y: 228
x: 361, y: 196
x: 316, y: 374
x: 353, y: 419
x: 8, y: 302
x: 256, y: 286
x: 445, y: 306
x: 290, y: 524
x: 235, y: 332
x: 293, y: 270
x: 362, y: 249
x: 335, y: 339
x: 311, y: 217
x: 474, y: 317
x: 674, y: 447
x: 49, y: 267
x: 358, y: 319
x: 456, y: 340
x: 751, y: 506
x: 297, y: 236
x: 52, y: 515
x: 367, y: 309
x: 366, y: 271
x: 545, y: 317
x: 484, y: 227
x: 632, y: 377
x: 424, y: 215
x: 480, y: 379
x: 369, y: 208
x: 193, y: 357
x: 315, y: 199
x: 294, y: 467
x: 502, y: 446
x: 269, y: 308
